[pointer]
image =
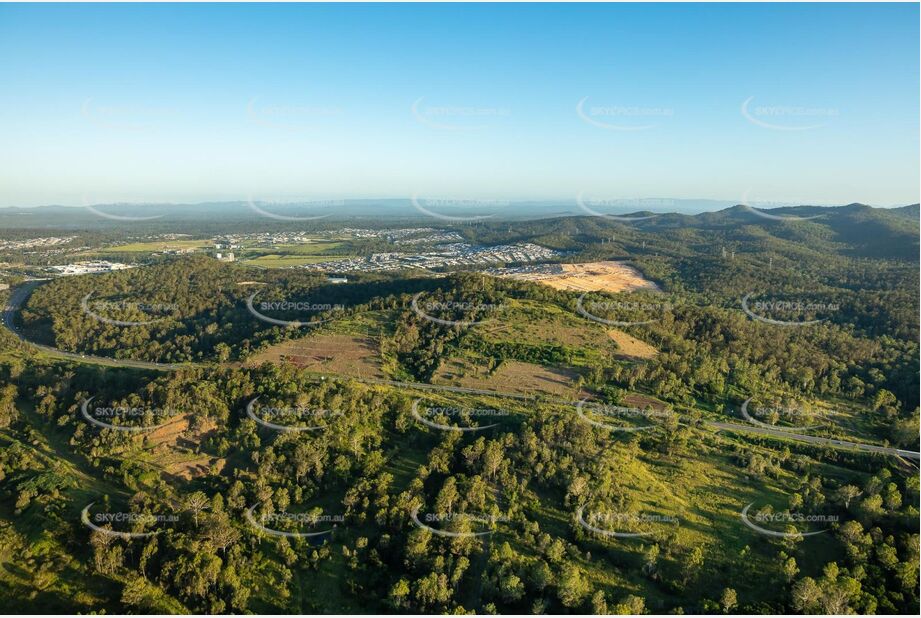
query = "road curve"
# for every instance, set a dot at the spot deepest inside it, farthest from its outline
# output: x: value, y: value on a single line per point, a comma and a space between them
x: 21, y: 293
x: 842, y: 444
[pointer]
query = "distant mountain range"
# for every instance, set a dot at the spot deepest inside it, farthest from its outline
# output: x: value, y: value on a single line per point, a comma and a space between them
x: 369, y: 211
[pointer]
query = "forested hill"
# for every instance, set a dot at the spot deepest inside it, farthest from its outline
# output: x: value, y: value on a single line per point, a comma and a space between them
x: 855, y: 230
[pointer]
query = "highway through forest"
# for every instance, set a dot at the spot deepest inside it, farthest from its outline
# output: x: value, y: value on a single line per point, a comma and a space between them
x: 19, y: 295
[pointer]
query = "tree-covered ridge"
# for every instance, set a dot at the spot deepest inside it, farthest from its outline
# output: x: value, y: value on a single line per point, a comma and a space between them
x: 375, y: 466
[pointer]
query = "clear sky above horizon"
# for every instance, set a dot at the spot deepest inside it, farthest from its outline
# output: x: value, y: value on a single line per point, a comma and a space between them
x: 810, y: 103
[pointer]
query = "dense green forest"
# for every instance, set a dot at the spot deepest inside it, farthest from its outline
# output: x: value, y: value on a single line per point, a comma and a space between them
x: 371, y: 510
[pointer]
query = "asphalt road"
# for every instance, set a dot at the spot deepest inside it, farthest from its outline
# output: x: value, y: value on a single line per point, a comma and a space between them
x: 843, y: 444
x: 21, y: 293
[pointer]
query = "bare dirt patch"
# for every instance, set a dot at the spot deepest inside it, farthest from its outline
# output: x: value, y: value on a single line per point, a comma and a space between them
x: 605, y: 276
x: 339, y: 354
x: 173, y: 447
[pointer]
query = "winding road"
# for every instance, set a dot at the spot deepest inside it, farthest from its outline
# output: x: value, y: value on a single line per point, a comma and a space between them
x: 19, y: 295
x: 842, y: 444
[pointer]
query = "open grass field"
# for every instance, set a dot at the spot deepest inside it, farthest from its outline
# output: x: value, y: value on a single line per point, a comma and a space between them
x: 344, y: 355
x: 629, y: 347
x: 536, y: 323
x: 158, y: 245
x: 510, y: 376
x: 292, y: 255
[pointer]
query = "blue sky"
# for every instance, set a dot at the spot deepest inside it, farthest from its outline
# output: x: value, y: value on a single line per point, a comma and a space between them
x: 810, y: 103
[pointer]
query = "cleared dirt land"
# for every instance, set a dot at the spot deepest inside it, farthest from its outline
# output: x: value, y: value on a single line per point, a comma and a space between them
x: 172, y: 448
x: 589, y: 277
x: 330, y: 353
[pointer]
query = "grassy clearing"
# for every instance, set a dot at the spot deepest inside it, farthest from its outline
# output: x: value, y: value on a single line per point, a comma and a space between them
x: 157, y: 245
x: 510, y: 376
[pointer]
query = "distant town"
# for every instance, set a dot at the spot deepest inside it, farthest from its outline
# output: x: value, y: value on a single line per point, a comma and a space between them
x: 336, y: 251
x: 446, y: 256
